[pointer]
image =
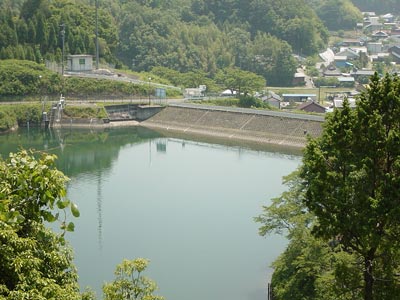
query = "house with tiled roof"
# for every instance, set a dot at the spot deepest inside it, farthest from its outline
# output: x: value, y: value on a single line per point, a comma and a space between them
x: 374, y: 47
x: 349, y: 53
x: 379, y: 35
x: 395, y: 52
x: 311, y: 106
x: 273, y: 99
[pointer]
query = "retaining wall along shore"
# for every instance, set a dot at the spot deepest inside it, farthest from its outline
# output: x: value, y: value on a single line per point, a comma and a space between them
x: 240, y: 124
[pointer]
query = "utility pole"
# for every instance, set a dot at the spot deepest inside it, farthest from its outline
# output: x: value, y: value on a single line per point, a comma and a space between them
x: 62, y: 56
x: 321, y: 101
x: 97, y: 35
x: 63, y: 49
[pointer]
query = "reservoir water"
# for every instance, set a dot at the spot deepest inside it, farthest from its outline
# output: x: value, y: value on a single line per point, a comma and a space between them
x: 186, y: 205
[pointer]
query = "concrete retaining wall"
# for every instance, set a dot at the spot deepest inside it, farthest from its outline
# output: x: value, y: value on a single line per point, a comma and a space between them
x: 72, y: 122
x: 246, y: 125
x: 145, y: 112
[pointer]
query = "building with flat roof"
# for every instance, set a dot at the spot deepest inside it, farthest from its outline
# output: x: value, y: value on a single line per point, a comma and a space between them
x: 299, y: 97
x: 80, y: 63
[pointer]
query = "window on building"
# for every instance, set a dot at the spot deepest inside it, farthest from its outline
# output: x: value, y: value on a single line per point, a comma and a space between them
x: 82, y: 61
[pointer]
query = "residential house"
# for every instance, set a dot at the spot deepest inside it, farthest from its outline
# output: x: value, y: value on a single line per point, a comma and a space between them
x: 350, y: 42
x: 328, y: 56
x: 388, y: 18
x: 311, y: 106
x: 299, y: 97
x: 273, y: 99
x: 368, y: 14
x: 357, y: 74
x: 351, y: 54
x: 299, y: 79
x: 332, y: 71
x: 395, y: 52
x: 340, y: 61
x: 395, y: 31
x: 372, y: 24
x: 338, y: 102
x: 346, y: 81
x: 374, y: 47
x: 379, y: 35
x: 379, y: 57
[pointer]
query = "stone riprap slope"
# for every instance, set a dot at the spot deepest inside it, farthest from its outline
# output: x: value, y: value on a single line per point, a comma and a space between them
x: 241, y: 124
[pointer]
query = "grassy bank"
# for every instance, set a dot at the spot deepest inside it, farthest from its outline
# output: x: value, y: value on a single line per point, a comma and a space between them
x: 22, y: 80
x: 12, y: 116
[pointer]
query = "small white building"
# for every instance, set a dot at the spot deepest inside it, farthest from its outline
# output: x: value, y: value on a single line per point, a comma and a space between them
x: 80, y: 63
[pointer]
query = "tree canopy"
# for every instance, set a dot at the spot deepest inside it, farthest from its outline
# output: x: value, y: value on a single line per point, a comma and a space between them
x: 348, y: 191
x: 352, y: 182
x: 242, y: 82
x: 130, y: 283
x: 379, y: 6
x: 35, y: 262
x: 338, y: 14
x: 184, y: 36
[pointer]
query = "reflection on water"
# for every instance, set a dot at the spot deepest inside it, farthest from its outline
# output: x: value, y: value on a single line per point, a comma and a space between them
x: 99, y: 208
x: 187, y: 205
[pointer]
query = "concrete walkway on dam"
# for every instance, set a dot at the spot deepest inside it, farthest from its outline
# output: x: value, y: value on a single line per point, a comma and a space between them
x: 250, y: 125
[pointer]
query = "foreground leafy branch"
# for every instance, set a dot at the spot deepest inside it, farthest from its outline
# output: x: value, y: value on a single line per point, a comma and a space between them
x: 35, y: 262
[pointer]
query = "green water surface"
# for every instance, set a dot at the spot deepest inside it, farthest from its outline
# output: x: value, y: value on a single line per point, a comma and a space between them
x: 187, y: 205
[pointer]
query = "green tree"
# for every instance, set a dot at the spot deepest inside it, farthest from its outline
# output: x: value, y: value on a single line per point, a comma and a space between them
x: 310, y: 268
x: 240, y: 81
x: 352, y: 181
x: 130, y: 282
x: 271, y: 58
x: 42, y: 35
x: 35, y: 262
x: 339, y: 14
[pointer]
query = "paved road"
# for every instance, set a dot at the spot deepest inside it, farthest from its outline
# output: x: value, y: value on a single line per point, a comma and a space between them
x: 142, y: 100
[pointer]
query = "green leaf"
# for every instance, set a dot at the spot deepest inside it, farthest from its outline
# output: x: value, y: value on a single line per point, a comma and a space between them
x: 70, y: 227
x: 62, y: 204
x: 74, y: 210
x: 48, y: 216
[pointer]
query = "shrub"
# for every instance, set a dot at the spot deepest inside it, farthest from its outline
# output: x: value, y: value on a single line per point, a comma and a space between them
x: 85, y: 112
x: 250, y: 101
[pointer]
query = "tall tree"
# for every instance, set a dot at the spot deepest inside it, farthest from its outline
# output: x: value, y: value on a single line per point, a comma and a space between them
x: 272, y: 58
x: 310, y: 268
x: 339, y: 14
x: 352, y: 181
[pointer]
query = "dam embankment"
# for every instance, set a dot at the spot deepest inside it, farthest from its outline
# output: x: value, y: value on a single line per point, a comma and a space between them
x: 249, y: 125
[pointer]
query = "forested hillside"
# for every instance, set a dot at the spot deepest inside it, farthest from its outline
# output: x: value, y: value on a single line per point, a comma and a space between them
x: 183, y: 35
x: 379, y: 6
